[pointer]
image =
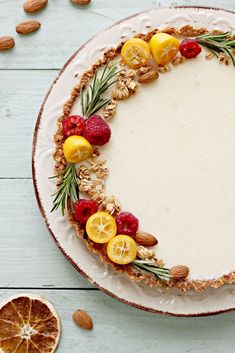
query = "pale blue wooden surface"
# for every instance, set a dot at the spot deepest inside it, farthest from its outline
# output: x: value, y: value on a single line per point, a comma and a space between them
x: 29, y: 259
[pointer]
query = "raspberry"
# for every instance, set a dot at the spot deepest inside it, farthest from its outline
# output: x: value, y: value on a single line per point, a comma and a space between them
x: 73, y: 125
x: 189, y: 48
x: 84, y: 209
x: 127, y: 223
x: 97, y: 131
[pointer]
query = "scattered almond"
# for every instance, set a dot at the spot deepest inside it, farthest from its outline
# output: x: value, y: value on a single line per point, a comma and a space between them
x: 31, y: 6
x: 6, y: 42
x: 83, y: 319
x: 148, y: 76
x: 81, y: 2
x: 28, y: 27
x: 146, y: 239
x: 179, y: 272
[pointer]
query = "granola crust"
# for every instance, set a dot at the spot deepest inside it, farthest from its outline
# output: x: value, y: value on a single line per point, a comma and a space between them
x: 100, y: 250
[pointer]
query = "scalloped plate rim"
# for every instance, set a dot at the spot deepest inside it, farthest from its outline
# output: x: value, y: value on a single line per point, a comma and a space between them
x: 42, y: 210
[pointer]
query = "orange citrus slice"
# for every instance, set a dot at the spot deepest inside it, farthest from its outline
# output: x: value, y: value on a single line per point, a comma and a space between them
x: 136, y: 53
x: 101, y: 227
x: 122, y: 249
x: 76, y: 149
x: 28, y: 324
x: 164, y: 48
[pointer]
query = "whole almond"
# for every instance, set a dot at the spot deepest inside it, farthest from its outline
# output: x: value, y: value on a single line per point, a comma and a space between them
x: 31, y: 6
x: 28, y: 27
x: 6, y: 42
x: 179, y: 272
x: 81, y: 2
x: 146, y: 239
x: 148, y: 76
x: 83, y: 319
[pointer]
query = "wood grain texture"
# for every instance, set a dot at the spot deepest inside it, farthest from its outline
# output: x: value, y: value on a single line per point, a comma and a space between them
x: 65, y: 27
x: 122, y: 329
x: 29, y: 256
x: 20, y: 100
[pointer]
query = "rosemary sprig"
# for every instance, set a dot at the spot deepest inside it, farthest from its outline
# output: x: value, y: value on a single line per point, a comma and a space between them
x: 92, y: 100
x: 163, y: 274
x: 218, y: 43
x: 67, y: 189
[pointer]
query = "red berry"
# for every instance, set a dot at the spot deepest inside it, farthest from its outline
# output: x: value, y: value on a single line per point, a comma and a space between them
x: 127, y: 223
x: 97, y: 131
x: 189, y: 48
x: 73, y: 125
x: 84, y: 209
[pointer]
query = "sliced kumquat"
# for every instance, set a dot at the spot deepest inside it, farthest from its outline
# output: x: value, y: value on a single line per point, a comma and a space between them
x: 122, y: 249
x: 164, y: 48
x: 101, y: 227
x: 135, y: 53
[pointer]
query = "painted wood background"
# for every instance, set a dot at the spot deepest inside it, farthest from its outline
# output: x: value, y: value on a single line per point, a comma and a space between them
x: 29, y: 259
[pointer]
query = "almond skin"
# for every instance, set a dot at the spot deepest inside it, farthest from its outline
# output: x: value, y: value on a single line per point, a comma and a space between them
x: 179, y: 272
x: 31, y: 6
x: 28, y: 27
x: 6, y: 42
x: 148, y: 76
x: 81, y: 2
x: 83, y: 319
x: 145, y: 239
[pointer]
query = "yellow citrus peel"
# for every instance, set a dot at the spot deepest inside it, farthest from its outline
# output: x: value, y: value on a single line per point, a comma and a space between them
x: 122, y: 249
x: 76, y: 149
x: 164, y: 48
x: 101, y: 227
x: 135, y: 53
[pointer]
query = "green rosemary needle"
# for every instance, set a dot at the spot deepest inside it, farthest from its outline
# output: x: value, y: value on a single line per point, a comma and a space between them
x: 218, y: 43
x: 67, y: 189
x: 92, y: 100
x: 163, y: 274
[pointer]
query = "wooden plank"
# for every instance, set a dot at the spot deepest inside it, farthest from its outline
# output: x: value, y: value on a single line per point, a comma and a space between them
x: 65, y: 27
x: 29, y: 256
x: 122, y: 329
x: 20, y: 100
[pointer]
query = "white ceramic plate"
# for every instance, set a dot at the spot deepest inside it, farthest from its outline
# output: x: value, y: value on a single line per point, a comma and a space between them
x: 118, y: 286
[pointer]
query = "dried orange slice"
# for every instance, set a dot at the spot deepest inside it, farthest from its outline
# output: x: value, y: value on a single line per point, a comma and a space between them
x: 28, y: 324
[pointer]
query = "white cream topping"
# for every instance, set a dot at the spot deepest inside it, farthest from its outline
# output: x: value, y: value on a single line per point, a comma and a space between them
x: 172, y: 164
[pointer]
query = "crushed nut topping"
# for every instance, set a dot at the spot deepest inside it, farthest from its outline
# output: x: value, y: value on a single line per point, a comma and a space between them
x: 209, y: 56
x: 179, y: 59
x: 86, y: 186
x: 120, y: 94
x: 224, y: 59
x: 95, y: 153
x: 110, y: 109
x: 98, y: 197
x: 84, y: 173
x: 99, y: 169
x: 111, y: 204
x: 144, y: 69
x: 145, y: 253
x: 163, y: 68
x: 159, y: 262
x: 126, y: 84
